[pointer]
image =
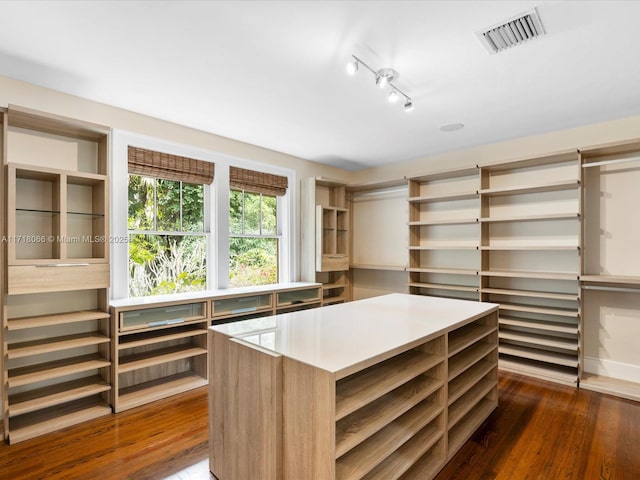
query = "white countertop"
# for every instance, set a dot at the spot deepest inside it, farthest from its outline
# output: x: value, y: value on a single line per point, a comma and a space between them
x: 206, y: 294
x: 341, y: 336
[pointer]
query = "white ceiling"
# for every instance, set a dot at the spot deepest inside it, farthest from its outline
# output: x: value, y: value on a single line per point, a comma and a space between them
x: 272, y: 73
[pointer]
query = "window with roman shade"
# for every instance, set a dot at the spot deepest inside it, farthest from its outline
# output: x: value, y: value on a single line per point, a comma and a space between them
x: 168, y: 234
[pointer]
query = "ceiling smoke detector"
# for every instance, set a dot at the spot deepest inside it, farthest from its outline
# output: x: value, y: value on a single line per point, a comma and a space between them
x: 511, y: 32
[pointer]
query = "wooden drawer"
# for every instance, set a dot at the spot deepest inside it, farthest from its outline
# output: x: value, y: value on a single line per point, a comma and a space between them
x: 57, y: 277
x: 331, y: 263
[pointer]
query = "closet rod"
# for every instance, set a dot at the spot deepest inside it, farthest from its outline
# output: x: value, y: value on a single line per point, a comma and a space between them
x: 610, y: 162
x: 611, y: 289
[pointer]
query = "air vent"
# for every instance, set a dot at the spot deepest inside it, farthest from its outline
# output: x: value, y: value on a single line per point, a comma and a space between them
x: 512, y: 32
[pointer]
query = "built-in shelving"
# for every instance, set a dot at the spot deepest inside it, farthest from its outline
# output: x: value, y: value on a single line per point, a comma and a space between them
x: 57, y: 337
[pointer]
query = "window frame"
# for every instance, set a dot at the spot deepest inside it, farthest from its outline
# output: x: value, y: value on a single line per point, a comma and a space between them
x: 216, y: 201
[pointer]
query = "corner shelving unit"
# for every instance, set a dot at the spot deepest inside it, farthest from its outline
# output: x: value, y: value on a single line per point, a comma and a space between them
x: 530, y: 248
x: 444, y: 234
x: 326, y: 237
x: 55, y: 320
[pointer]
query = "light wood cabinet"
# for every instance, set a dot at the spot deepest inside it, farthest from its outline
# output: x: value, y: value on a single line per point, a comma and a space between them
x: 399, y: 413
x: 56, y: 332
x: 159, y: 345
x: 326, y: 239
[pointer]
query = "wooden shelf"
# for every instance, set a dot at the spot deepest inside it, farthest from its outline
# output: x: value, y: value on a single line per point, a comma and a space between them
x: 445, y: 271
x: 144, y: 393
x: 468, y: 335
x: 533, y: 188
x: 390, y: 268
x: 362, y: 459
x: 396, y: 464
x: 611, y: 386
x: 461, y: 432
x: 532, y: 293
x: 550, y: 372
x: 447, y: 174
x: 443, y: 286
x: 157, y: 357
x: 333, y: 286
x: 58, y: 368
x: 462, y: 383
x: 532, y: 218
x: 561, y: 312
x: 515, y: 247
x: 449, y: 221
x: 58, y: 394
x: 617, y: 279
x: 363, y: 423
x: 530, y: 274
x: 357, y: 390
x: 444, y: 246
x: 540, y: 325
x: 467, y: 358
x: 539, y: 355
x: 444, y: 198
x: 469, y: 400
x: 54, y: 344
x: 150, y: 338
x: 56, y: 418
x: 57, y: 319
x: 540, y: 340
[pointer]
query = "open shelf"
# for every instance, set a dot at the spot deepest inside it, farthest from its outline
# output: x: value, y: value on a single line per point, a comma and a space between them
x: 468, y: 357
x: 540, y: 247
x: 159, y: 356
x: 468, y: 335
x: 546, y: 371
x: 362, y: 459
x: 444, y: 246
x: 443, y: 198
x: 150, y: 338
x: 54, y: 369
x: 462, y: 383
x: 561, y: 312
x: 531, y: 218
x: 533, y: 188
x: 530, y: 274
x: 54, y: 418
x: 56, y: 319
x: 443, y: 286
x: 532, y: 294
x: 448, y: 221
x: 146, y: 392
x: 463, y: 430
x: 540, y: 340
x: 359, y: 389
x: 54, y: 344
x: 544, y: 325
x: 617, y: 279
x: 58, y: 394
x: 446, y: 271
x: 363, y: 423
x: 539, y: 355
x: 467, y: 402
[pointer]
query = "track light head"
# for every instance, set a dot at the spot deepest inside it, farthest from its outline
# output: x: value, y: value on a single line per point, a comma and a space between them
x: 385, y: 76
x: 408, y: 106
x: 393, y: 96
x: 352, y: 67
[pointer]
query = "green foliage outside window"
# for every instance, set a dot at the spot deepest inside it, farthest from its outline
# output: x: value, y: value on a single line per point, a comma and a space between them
x: 253, y: 244
x: 167, y: 243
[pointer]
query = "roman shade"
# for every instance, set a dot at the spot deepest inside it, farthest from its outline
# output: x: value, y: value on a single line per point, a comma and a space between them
x: 257, y: 182
x: 150, y: 163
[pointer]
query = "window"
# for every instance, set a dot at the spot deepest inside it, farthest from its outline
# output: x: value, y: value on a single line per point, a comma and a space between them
x: 253, y: 238
x: 167, y: 238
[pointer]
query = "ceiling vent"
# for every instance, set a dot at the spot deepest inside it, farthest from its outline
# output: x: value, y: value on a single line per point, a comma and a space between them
x: 512, y: 32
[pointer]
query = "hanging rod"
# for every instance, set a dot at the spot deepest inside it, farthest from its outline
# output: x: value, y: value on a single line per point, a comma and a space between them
x: 610, y: 162
x: 611, y: 289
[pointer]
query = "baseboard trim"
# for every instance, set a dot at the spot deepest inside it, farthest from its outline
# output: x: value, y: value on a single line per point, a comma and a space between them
x: 612, y: 368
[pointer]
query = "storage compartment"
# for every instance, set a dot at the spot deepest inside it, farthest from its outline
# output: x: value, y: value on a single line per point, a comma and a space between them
x: 162, y: 316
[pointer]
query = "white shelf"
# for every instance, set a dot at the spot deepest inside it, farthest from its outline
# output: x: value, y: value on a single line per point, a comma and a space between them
x: 533, y: 188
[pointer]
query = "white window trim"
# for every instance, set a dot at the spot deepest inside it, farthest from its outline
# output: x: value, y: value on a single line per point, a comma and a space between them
x: 217, y: 204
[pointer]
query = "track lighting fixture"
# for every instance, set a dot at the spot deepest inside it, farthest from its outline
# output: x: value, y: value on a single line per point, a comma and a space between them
x: 384, y: 78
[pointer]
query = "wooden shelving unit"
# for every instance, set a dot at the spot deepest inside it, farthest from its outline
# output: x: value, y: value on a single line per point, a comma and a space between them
x: 160, y: 348
x: 55, y: 320
x: 530, y: 220
x: 326, y: 237
x: 444, y: 235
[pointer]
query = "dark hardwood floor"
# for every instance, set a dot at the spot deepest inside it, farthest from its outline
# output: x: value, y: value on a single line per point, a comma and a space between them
x: 539, y: 431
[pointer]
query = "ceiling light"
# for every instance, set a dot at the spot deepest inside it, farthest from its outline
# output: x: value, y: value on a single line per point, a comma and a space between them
x: 451, y: 127
x: 383, y: 77
x: 352, y: 67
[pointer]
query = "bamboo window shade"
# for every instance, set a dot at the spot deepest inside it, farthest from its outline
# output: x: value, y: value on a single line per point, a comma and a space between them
x: 257, y: 182
x: 150, y: 163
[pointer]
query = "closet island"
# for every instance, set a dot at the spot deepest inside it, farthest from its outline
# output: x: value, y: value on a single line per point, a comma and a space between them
x: 387, y: 387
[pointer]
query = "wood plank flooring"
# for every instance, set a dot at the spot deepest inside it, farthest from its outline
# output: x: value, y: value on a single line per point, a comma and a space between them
x: 540, y: 431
